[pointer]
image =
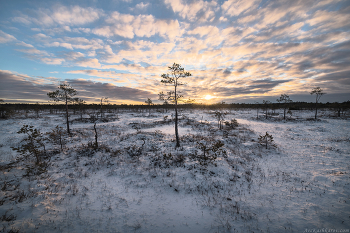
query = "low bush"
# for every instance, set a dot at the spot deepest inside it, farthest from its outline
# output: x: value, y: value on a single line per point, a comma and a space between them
x: 210, y: 152
x: 266, y: 140
x: 32, y: 144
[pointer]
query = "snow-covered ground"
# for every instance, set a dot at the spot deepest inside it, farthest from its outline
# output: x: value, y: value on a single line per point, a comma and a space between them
x: 136, y: 181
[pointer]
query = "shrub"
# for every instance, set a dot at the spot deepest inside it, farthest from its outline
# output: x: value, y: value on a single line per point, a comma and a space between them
x: 32, y: 143
x: 167, y: 159
x: 231, y: 124
x: 56, y: 136
x: 86, y: 150
x: 220, y: 117
x: 210, y: 152
x: 136, y: 126
x: 266, y: 139
x: 5, y: 112
x: 134, y: 151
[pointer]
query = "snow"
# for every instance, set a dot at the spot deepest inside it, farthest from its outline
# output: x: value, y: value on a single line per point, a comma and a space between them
x: 138, y: 182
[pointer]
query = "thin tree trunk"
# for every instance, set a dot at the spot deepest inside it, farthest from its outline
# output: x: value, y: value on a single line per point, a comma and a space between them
x: 316, y: 110
x: 101, y: 108
x: 176, y: 118
x: 96, y: 143
x: 176, y: 128
x: 61, y: 142
x: 68, y: 131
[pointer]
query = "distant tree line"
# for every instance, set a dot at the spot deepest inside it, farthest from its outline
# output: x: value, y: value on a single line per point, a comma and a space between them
x: 57, y: 108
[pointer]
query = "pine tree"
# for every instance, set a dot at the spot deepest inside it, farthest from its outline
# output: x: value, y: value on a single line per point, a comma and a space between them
x: 33, y: 143
x: 176, y: 72
x: 65, y: 93
x: 285, y: 100
x: 266, y: 139
x: 319, y: 93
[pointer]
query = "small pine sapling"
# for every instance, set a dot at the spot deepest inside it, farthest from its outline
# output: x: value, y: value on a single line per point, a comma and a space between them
x: 33, y: 143
x: 220, y: 117
x: 205, y: 149
x: 65, y: 94
x: 165, y: 118
x: 56, y: 136
x: 231, y: 124
x: 265, y: 140
x: 136, y: 127
x: 210, y: 152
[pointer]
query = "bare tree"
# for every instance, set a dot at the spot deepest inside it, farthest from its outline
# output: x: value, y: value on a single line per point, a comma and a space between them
x: 176, y: 72
x: 257, y: 109
x: 220, y: 117
x: 65, y: 93
x: 103, y: 99
x: 319, y: 93
x: 80, y: 104
x: 149, y: 102
x: 96, y: 142
x: 266, y: 105
x: 285, y: 100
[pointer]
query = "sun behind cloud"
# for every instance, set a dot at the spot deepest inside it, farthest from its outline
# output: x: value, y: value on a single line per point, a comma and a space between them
x: 208, y: 97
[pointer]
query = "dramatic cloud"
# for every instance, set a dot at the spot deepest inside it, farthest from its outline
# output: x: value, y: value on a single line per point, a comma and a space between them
x: 235, y: 49
x: 197, y: 10
x: 129, y: 26
x: 91, y: 91
x: 109, y: 76
x: 234, y: 8
x: 24, y: 88
x: 58, y: 14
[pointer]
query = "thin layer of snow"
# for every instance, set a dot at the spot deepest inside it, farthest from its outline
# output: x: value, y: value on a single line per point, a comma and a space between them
x: 302, y: 184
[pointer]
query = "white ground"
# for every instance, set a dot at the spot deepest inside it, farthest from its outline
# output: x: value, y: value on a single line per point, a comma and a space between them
x: 303, y: 184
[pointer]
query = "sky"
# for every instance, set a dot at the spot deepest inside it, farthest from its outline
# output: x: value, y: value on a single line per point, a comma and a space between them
x: 238, y: 51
